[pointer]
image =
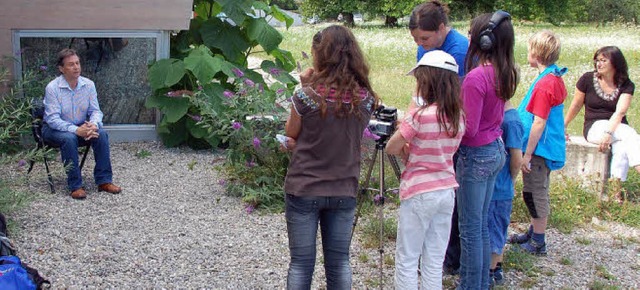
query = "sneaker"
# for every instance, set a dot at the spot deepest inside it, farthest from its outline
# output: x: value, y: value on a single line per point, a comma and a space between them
x: 498, y: 278
x: 519, y: 238
x: 451, y: 271
x: 534, y: 248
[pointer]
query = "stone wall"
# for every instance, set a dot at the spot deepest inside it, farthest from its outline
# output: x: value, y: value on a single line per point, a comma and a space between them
x: 586, y: 163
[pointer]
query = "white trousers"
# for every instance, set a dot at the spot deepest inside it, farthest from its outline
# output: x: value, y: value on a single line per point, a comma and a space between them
x: 424, y: 225
x: 625, y: 147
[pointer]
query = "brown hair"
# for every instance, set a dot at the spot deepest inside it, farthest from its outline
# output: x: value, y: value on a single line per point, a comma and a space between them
x: 67, y: 52
x: 429, y: 15
x: 500, y: 56
x: 441, y: 87
x: 340, y: 67
x: 617, y: 60
x: 545, y: 46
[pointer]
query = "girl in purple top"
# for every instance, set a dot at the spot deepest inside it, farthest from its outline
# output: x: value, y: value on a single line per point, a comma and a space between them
x: 491, y: 80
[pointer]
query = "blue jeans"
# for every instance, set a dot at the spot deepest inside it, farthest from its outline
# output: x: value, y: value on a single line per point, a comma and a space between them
x: 476, y: 172
x: 335, y: 215
x: 69, y: 143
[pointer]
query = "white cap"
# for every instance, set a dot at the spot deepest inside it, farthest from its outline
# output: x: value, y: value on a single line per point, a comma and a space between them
x: 437, y: 58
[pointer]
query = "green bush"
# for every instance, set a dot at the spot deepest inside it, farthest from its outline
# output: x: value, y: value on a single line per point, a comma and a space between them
x: 203, y: 63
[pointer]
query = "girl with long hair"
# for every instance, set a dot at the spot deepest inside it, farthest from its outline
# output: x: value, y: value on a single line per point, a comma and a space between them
x: 491, y: 80
x: 427, y: 139
x: 328, y: 116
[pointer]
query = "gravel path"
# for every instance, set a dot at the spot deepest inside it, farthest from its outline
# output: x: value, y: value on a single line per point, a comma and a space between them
x: 174, y: 228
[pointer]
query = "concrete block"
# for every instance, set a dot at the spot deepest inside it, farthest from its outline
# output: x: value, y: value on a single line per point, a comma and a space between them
x: 586, y: 163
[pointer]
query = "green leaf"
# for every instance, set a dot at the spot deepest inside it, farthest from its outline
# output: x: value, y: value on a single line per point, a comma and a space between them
x: 284, y: 59
x: 221, y: 35
x: 215, y: 96
x: 177, y: 109
x: 280, y: 15
x: 154, y: 101
x: 236, y: 10
x: 195, y: 129
x: 165, y: 73
x: 202, y: 64
x: 277, y: 72
x: 267, y: 36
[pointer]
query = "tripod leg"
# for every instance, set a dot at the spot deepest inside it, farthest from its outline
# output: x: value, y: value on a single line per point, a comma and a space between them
x: 381, y: 217
x: 394, y: 165
x: 361, y: 192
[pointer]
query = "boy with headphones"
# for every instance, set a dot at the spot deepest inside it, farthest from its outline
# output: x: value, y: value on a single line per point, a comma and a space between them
x: 544, y: 142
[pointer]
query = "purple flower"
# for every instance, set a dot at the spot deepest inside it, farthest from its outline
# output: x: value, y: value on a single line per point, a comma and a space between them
x: 228, y: 94
x: 251, y: 164
x: 280, y: 91
x: 249, y: 83
x: 43, y: 68
x: 196, y: 118
x: 260, y: 88
x: 305, y: 55
x: 249, y: 208
x: 222, y: 182
x: 256, y: 142
x: 242, y: 92
x: 367, y: 134
x: 395, y: 191
x: 378, y: 199
x: 22, y: 163
x: 275, y: 71
x: 200, y: 88
x: 237, y: 72
x: 236, y: 125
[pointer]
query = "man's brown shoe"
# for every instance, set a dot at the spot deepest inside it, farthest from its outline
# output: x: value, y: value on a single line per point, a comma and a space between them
x: 79, y: 194
x: 110, y: 188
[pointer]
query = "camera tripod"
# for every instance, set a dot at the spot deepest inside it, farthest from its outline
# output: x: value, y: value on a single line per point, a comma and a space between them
x: 381, y: 190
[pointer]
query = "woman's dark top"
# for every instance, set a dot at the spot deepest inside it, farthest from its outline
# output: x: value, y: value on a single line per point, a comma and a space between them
x: 597, y: 104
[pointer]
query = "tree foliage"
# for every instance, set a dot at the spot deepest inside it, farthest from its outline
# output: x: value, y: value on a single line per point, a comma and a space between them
x: 552, y: 11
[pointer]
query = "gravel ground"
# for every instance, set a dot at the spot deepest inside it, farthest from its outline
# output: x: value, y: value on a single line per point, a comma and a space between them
x: 172, y: 227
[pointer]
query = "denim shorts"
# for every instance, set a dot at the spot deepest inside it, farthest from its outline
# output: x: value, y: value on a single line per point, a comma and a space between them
x: 499, y: 219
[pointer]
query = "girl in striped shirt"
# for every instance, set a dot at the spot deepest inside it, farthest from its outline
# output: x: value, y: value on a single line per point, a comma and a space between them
x: 426, y: 140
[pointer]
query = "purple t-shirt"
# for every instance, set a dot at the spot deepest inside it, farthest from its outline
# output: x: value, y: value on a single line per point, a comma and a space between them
x: 483, y: 109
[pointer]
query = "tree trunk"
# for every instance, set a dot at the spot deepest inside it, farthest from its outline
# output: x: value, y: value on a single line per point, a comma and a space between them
x: 348, y: 19
x: 390, y: 21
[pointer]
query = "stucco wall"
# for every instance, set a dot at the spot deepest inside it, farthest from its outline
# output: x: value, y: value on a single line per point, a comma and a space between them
x: 91, y: 15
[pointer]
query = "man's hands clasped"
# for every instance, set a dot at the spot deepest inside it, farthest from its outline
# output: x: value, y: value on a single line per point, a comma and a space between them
x: 88, y: 131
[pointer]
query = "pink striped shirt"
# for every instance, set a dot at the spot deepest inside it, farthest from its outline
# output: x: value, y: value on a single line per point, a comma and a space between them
x: 430, y: 164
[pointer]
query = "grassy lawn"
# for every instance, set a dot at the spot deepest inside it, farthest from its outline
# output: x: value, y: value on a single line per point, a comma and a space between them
x: 391, y: 53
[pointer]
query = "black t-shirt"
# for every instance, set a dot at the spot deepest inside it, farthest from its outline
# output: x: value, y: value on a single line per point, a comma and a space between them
x: 597, y: 108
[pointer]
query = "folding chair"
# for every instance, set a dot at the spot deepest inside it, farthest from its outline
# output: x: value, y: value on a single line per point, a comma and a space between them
x: 37, y: 114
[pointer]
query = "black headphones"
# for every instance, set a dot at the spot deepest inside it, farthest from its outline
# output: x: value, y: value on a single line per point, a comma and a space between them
x: 486, y: 39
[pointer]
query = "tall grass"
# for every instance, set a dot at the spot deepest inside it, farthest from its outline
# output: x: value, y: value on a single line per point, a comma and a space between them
x: 391, y: 52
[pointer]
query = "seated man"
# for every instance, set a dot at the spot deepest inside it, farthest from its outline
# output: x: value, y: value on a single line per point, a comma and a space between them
x: 72, y: 118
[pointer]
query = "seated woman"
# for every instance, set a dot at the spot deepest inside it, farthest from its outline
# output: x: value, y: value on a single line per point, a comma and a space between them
x: 606, y: 94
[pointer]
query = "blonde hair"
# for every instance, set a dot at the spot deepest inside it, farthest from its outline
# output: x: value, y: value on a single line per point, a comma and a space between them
x: 545, y: 47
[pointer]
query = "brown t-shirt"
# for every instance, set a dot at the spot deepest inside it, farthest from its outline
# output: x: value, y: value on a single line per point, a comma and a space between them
x: 597, y: 108
x: 326, y: 159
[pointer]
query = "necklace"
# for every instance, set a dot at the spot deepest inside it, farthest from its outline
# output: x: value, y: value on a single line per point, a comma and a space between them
x: 607, y: 97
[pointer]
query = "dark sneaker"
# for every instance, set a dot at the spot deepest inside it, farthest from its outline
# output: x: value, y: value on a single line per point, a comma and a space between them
x: 534, y: 248
x: 451, y: 271
x: 498, y: 279
x: 519, y: 238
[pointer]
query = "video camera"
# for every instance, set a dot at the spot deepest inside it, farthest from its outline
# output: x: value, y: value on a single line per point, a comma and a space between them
x: 383, y: 123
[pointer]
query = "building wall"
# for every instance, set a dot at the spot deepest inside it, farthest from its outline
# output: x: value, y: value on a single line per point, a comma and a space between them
x: 91, y: 15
